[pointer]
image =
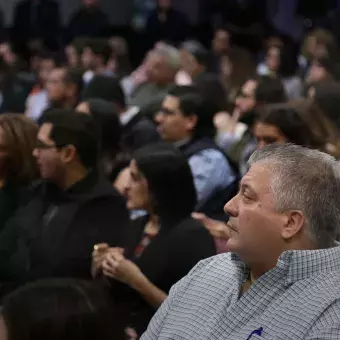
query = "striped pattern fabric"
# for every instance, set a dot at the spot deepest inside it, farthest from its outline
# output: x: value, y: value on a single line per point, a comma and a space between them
x: 298, y: 299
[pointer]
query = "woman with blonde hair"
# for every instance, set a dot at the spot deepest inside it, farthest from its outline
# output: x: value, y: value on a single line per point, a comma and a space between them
x: 17, y: 165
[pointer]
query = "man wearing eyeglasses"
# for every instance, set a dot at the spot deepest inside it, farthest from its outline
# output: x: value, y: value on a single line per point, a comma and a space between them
x: 71, y: 209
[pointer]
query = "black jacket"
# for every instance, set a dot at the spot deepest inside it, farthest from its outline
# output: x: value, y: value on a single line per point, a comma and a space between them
x: 138, y: 132
x: 177, y: 248
x: 85, y: 23
x: 54, y: 234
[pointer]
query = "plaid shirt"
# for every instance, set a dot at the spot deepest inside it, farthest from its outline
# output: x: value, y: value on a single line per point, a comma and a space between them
x: 298, y: 299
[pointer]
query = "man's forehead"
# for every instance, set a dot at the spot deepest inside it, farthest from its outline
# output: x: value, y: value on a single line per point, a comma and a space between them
x: 258, y: 176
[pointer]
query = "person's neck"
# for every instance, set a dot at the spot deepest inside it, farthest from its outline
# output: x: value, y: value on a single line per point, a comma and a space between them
x: 74, y: 176
x: 71, y: 103
x: 2, y: 183
x: 100, y: 70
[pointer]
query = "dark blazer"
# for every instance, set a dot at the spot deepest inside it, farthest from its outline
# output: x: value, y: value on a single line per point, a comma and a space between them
x: 86, y: 23
x: 170, y: 256
x: 12, y: 197
x: 54, y: 234
x: 138, y: 132
x: 47, y: 25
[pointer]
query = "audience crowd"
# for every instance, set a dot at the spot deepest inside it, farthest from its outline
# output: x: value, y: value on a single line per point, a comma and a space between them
x: 194, y: 197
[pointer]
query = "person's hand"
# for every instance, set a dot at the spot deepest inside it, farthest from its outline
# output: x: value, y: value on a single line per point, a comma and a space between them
x: 116, y: 266
x: 222, y: 121
x: 98, y: 255
x: 216, y: 228
x: 99, y: 250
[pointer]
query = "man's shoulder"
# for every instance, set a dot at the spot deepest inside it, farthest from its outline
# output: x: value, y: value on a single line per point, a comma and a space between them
x: 210, y: 272
x: 104, y: 189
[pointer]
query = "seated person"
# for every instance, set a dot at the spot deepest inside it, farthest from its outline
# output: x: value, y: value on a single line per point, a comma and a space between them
x: 186, y: 120
x: 18, y: 167
x: 164, y: 245
x: 280, y: 279
x: 70, y: 210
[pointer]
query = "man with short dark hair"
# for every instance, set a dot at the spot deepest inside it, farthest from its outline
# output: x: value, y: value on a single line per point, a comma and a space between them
x: 63, y: 88
x: 280, y: 279
x: 95, y: 57
x: 186, y: 120
x: 71, y: 209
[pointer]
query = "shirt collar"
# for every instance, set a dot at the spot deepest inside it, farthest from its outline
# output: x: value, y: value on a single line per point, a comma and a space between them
x: 302, y: 264
x: 129, y: 114
x: 182, y: 142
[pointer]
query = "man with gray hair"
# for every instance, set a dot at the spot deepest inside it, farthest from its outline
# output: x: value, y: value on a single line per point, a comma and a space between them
x: 162, y: 65
x: 281, y: 279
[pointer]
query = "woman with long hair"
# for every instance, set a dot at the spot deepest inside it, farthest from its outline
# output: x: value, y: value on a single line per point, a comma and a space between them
x: 18, y: 167
x: 164, y: 245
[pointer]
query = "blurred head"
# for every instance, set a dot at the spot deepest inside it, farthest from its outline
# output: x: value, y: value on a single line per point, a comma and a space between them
x: 47, y: 62
x: 194, y: 58
x: 106, y: 118
x: 106, y: 88
x: 17, y: 141
x: 162, y: 65
x: 273, y: 58
x: 57, y: 309
x: 8, y: 54
x: 323, y: 70
x: 63, y: 86
x: 66, y: 142
x: 319, y: 43
x: 96, y: 54
x: 288, y: 200
x: 185, y: 113
x: 161, y: 182
x: 282, y: 60
x: 90, y: 3
x: 72, y: 56
x: 221, y: 41
x: 281, y: 123
x: 325, y: 135
x: 236, y: 68
x: 164, y: 5
x: 246, y: 100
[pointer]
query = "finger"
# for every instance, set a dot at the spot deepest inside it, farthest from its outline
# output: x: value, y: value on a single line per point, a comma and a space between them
x: 111, y: 262
x: 100, y: 247
x: 116, y: 256
x: 108, y: 274
x: 198, y: 216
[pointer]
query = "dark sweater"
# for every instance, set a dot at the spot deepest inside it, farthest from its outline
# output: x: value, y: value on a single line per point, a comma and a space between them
x: 54, y: 234
x: 170, y: 256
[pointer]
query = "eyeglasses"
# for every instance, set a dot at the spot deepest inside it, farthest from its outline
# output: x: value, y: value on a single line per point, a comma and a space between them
x: 44, y: 146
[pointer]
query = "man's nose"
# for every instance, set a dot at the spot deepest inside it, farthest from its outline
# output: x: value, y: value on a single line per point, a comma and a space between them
x: 159, y: 118
x: 231, y: 207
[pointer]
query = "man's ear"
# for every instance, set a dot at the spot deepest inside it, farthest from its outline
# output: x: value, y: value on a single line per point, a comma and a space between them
x: 69, y: 153
x: 191, y: 122
x: 294, y: 224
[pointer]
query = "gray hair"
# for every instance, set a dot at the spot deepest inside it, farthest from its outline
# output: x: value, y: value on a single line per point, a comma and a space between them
x: 170, y: 54
x: 306, y: 180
